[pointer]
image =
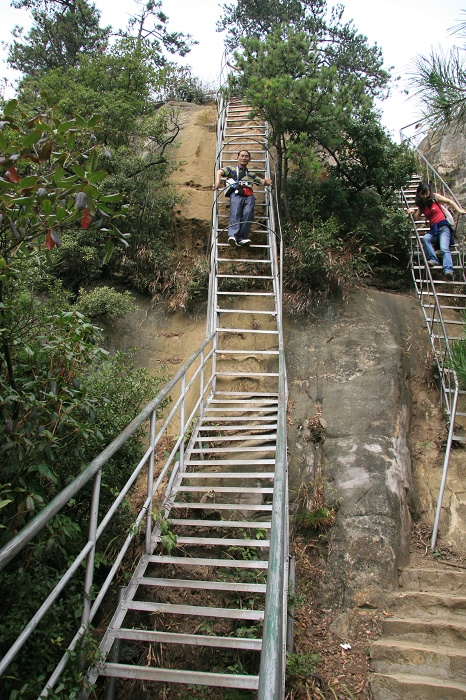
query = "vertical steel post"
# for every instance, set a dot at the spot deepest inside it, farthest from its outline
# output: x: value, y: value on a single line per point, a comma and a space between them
x: 89, y: 577
x: 438, y: 511
x: 150, y: 481
x: 182, y: 418
x: 114, y: 656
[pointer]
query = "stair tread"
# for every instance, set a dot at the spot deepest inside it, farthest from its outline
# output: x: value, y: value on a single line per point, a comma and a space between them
x: 179, y: 676
x: 413, y: 622
x: 245, y: 524
x: 202, y: 611
x: 443, y: 649
x: 412, y: 679
x: 206, y: 561
x: 205, y: 585
x: 193, y: 639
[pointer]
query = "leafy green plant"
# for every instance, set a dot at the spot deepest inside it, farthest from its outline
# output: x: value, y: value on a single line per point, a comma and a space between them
x: 300, y: 668
x: 318, y: 263
x: 168, y: 539
x: 458, y: 360
x: 105, y: 303
x: 312, y: 512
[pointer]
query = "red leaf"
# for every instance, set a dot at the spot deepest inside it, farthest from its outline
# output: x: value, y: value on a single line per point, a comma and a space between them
x: 12, y: 174
x: 49, y: 242
x: 86, y: 220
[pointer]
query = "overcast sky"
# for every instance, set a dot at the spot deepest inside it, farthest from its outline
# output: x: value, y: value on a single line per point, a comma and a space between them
x: 401, y: 28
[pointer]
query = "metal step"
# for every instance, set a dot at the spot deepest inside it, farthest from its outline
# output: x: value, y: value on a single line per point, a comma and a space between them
x: 228, y: 475
x: 241, y: 438
x: 246, y: 330
x: 150, y: 673
x: 190, y: 639
x: 258, y: 524
x: 245, y: 311
x: 201, y: 561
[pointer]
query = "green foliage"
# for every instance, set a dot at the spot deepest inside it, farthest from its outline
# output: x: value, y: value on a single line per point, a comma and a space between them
x: 299, y: 668
x: 46, y: 414
x: 439, y: 83
x: 60, y: 34
x: 365, y: 156
x: 168, y: 539
x: 313, y: 513
x: 105, y: 303
x: 314, y: 79
x: 51, y: 182
x: 156, y: 37
x: 318, y: 263
x: 23, y: 591
x: 119, y: 391
x: 178, y: 83
x: 458, y: 353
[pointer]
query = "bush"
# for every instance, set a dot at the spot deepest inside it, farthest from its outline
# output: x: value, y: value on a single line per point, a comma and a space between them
x: 318, y: 263
x: 105, y: 304
x: 458, y: 352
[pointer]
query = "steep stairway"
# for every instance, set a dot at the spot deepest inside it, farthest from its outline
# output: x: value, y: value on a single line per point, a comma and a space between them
x: 422, y: 652
x: 443, y: 303
x: 193, y: 612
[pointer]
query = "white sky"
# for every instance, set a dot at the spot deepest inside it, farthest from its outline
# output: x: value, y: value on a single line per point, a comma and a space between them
x: 401, y: 28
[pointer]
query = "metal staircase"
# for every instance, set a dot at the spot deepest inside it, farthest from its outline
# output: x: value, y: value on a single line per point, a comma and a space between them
x: 443, y: 303
x: 206, y: 604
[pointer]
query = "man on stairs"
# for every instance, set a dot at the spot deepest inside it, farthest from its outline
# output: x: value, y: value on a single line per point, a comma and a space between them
x: 240, y: 181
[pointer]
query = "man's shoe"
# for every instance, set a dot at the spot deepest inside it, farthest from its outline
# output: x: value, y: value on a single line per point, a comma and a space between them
x: 433, y: 263
x: 245, y: 241
x: 449, y: 276
x: 232, y: 241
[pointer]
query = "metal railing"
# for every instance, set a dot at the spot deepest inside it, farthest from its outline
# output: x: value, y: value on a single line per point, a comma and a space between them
x: 188, y: 390
x: 425, y: 288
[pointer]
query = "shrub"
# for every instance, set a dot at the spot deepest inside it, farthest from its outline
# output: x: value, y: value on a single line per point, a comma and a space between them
x: 105, y: 303
x: 318, y: 263
x: 458, y: 352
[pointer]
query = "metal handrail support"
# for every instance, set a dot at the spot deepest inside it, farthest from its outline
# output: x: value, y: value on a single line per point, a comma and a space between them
x: 446, y: 461
x: 273, y: 657
x: 150, y: 481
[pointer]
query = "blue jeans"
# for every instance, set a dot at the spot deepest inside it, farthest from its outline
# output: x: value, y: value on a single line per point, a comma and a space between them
x: 429, y: 241
x: 241, y: 216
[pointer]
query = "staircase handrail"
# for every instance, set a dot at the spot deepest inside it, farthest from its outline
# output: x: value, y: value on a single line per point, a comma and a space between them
x: 273, y: 657
x: 449, y: 387
x: 192, y: 386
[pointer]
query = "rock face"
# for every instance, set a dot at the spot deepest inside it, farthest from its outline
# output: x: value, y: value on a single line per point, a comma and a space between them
x: 350, y: 368
x: 445, y: 151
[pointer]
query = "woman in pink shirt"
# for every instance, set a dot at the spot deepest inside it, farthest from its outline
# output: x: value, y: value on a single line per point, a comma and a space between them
x: 441, y: 232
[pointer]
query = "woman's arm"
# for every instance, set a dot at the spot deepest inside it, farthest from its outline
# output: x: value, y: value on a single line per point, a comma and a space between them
x: 449, y: 202
x: 416, y: 213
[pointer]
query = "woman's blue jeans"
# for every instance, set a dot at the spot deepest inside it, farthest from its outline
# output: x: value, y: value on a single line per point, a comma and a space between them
x: 429, y: 241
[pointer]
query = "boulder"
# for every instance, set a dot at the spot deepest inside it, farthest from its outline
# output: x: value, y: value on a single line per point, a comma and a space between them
x: 350, y: 367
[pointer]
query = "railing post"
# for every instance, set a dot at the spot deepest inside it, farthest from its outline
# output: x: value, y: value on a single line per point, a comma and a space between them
x: 89, y: 577
x: 150, y: 481
x: 182, y: 418
x: 445, y: 471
